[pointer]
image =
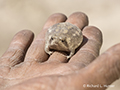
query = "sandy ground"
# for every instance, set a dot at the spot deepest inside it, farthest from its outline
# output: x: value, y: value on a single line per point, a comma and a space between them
x: 16, y: 15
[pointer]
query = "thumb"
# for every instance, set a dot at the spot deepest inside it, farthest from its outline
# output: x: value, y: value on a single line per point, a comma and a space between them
x: 105, y: 69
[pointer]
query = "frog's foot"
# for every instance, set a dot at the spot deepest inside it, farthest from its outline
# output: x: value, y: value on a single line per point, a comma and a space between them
x: 50, y: 52
x: 47, y: 50
x: 71, y: 54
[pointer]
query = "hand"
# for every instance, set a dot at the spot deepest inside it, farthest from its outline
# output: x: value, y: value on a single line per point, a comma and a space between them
x: 26, y: 66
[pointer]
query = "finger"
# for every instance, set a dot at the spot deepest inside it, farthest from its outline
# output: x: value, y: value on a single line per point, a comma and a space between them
x: 36, y: 51
x: 90, y: 47
x: 17, y: 48
x: 105, y: 69
x: 80, y: 20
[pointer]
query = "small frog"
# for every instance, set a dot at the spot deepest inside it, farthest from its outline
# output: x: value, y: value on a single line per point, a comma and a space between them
x: 63, y: 37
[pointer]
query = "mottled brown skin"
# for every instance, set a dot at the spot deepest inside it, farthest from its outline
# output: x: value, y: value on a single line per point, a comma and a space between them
x: 64, y: 37
x: 26, y: 66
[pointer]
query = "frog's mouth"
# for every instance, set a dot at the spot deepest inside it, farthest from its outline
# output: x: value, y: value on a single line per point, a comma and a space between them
x: 61, y: 51
x: 59, y: 47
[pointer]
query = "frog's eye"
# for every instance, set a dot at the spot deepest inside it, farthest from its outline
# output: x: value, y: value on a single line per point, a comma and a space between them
x: 63, y: 40
x: 51, y: 38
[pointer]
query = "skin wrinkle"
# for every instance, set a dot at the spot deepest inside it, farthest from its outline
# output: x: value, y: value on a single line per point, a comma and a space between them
x: 63, y: 83
x: 5, y: 66
x: 47, y: 73
x: 6, y: 70
x: 66, y: 71
x: 36, y: 50
x: 97, y: 42
x: 85, y: 63
x: 23, y: 34
x: 16, y: 43
x: 79, y: 65
x: 32, y: 59
x: 13, y: 49
x: 51, y: 87
x: 89, y: 51
x: 27, y: 67
x: 56, y: 84
x: 114, y: 70
x: 39, y: 40
x: 11, y: 82
x: 17, y: 78
x: 12, y: 60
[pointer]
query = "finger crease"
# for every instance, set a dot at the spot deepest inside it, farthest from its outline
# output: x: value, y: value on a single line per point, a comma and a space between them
x: 32, y: 59
x: 95, y: 41
x: 18, y: 42
x: 89, y: 51
x: 15, y: 58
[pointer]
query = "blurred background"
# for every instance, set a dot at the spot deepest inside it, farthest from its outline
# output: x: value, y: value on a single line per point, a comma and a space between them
x: 16, y: 15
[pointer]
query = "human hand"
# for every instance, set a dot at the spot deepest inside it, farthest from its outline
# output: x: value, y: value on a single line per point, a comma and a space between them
x: 26, y: 66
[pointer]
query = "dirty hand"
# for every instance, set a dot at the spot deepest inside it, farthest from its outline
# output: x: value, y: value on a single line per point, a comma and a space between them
x: 26, y: 66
